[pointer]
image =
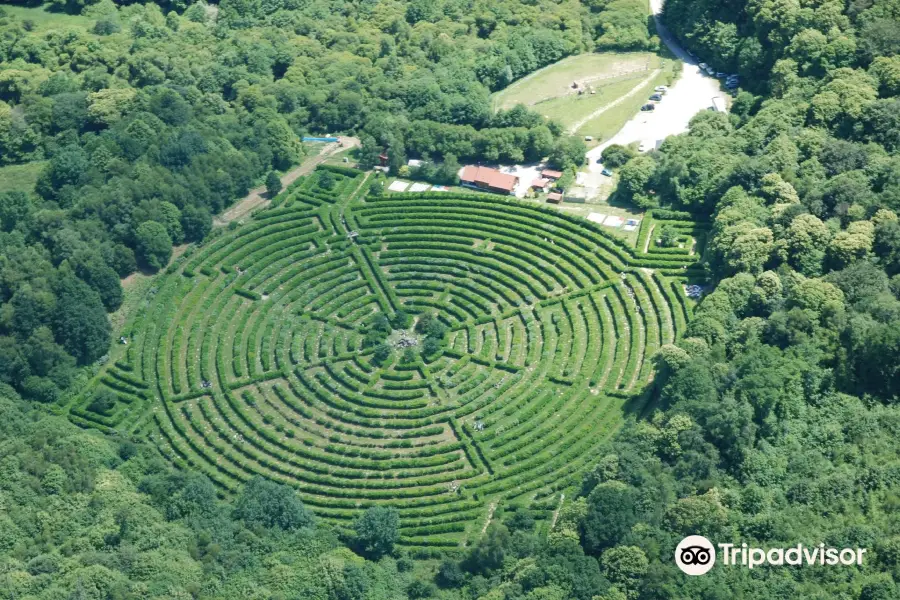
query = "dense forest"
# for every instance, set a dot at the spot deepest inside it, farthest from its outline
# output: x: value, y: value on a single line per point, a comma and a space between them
x: 777, y: 417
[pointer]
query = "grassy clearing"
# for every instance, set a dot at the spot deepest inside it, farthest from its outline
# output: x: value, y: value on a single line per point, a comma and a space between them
x: 571, y: 108
x: 20, y: 178
x: 44, y: 20
x: 337, y: 158
x: 556, y: 80
x: 611, y: 121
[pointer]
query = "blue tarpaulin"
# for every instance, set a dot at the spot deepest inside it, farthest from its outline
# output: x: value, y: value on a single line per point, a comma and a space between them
x: 320, y: 139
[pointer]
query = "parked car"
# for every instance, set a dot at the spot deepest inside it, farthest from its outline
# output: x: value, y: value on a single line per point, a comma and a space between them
x: 656, y: 97
x: 704, y: 66
x: 720, y: 75
x: 648, y: 107
x: 606, y: 172
x: 662, y: 89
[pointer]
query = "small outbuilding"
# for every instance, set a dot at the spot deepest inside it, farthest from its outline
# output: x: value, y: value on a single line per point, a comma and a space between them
x: 551, y: 174
x: 541, y: 184
x: 554, y: 198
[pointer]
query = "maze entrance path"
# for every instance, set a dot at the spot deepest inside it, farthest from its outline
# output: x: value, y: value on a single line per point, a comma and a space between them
x: 248, y: 359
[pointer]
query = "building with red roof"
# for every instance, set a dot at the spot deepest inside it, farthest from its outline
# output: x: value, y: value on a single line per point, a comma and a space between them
x: 551, y: 174
x: 485, y: 178
x: 540, y: 184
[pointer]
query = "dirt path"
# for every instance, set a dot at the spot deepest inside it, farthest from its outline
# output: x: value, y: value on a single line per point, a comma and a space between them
x: 255, y: 199
x: 579, y: 124
x: 258, y: 198
x: 490, y: 516
x: 134, y: 278
x: 556, y: 512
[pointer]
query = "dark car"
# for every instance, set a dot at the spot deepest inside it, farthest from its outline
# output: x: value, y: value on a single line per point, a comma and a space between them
x: 648, y: 106
x: 656, y: 97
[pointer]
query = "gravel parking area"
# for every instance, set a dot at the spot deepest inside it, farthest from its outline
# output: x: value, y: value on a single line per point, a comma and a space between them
x: 691, y: 93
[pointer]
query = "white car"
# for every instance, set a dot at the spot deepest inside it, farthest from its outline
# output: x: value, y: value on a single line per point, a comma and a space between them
x: 662, y: 89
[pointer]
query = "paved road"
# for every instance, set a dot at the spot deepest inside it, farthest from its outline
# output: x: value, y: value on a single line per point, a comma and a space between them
x: 692, y: 93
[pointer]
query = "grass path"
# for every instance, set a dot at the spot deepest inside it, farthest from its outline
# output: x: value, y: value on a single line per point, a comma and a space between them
x: 649, y: 237
x: 490, y: 516
x: 579, y: 124
x: 562, y: 497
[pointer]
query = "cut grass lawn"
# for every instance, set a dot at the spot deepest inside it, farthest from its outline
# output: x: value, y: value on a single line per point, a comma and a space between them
x: 569, y: 109
x: 609, y: 123
x: 20, y: 178
x: 556, y: 80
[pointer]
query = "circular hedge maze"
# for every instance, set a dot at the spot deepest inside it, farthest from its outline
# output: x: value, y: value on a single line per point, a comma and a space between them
x: 251, y: 357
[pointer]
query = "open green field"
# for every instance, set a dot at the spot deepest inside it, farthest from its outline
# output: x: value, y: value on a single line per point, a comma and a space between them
x: 554, y: 81
x: 572, y: 108
x: 614, y: 87
x: 607, y: 124
x: 20, y: 178
x: 44, y: 20
x: 251, y: 358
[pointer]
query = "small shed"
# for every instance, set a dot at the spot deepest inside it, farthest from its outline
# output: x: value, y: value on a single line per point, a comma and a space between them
x: 554, y: 198
x: 551, y: 174
x: 540, y: 184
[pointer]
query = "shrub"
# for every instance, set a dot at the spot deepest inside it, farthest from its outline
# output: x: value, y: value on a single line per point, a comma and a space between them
x: 401, y: 320
x: 377, y: 530
x: 431, y: 346
x: 382, y: 353
x: 268, y: 504
x: 104, y: 401
x: 616, y: 155
x: 106, y: 26
x: 326, y: 180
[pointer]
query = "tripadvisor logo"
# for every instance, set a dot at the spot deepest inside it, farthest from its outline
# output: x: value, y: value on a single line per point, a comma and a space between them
x: 696, y: 555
